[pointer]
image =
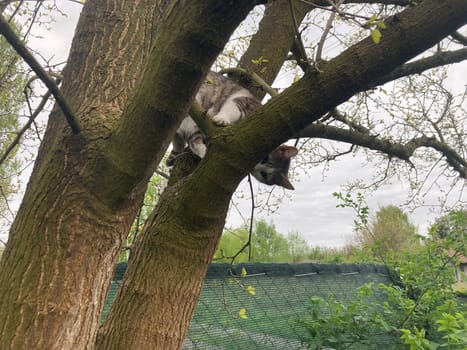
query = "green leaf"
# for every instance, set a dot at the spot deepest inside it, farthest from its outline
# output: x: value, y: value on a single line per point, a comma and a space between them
x: 251, y: 290
x: 376, y: 35
x: 381, y: 24
x: 242, y: 313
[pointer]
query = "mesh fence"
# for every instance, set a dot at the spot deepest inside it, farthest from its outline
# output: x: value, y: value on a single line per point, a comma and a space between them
x: 276, y: 312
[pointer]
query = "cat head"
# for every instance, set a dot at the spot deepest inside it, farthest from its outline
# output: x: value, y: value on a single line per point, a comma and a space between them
x: 274, y: 168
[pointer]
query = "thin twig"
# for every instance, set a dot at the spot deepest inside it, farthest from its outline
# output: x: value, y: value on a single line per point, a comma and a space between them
x: 21, y: 49
x: 326, y: 31
x: 26, y: 126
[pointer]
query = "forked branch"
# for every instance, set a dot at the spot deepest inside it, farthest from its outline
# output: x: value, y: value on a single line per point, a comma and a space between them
x: 391, y: 148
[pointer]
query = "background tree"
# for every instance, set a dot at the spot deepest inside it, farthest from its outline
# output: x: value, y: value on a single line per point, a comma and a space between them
x: 12, y: 83
x: 269, y: 245
x: 298, y: 247
x: 266, y: 245
x: 130, y: 78
x: 453, y: 222
x: 389, y: 233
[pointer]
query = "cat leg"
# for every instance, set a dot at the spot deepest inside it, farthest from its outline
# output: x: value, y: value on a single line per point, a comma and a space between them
x: 231, y: 111
x: 197, y: 144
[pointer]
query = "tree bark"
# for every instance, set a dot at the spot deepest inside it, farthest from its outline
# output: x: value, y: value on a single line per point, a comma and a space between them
x: 63, y: 245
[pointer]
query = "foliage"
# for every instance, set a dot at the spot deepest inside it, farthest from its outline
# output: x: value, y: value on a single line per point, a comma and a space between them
x: 297, y: 247
x: 389, y: 233
x: 267, y: 245
x: 419, y: 309
x: 12, y: 83
x: 151, y: 197
x: 454, y: 224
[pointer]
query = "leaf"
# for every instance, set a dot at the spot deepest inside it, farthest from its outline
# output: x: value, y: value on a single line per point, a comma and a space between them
x: 251, y: 290
x: 376, y: 35
x: 381, y: 24
x: 244, y: 273
x: 242, y: 313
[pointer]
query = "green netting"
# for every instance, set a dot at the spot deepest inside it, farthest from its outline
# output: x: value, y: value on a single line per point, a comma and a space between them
x: 275, y: 311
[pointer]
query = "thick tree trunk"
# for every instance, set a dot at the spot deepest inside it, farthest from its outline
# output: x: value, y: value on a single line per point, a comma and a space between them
x: 66, y: 237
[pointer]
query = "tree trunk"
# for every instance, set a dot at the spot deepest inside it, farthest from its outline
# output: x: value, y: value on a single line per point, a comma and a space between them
x: 63, y: 245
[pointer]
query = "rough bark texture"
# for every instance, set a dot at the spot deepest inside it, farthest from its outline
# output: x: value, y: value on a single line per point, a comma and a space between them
x: 66, y: 237
x: 85, y: 189
x: 278, y: 24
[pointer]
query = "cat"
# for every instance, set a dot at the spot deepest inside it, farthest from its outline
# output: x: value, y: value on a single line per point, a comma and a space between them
x: 226, y: 102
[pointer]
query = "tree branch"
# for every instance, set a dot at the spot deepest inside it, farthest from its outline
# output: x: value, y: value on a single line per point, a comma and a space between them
x: 26, y: 126
x: 392, y: 149
x: 423, y: 64
x: 252, y: 77
x: 21, y: 49
x: 460, y: 38
x: 202, y: 119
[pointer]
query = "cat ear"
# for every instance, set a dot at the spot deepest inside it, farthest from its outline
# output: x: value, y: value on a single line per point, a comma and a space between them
x: 288, y: 151
x: 284, y: 182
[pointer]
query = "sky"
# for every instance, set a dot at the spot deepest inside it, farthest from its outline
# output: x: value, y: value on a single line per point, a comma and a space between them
x: 311, y: 208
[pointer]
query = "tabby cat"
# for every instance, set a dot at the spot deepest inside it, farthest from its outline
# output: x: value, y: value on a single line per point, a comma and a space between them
x: 226, y: 102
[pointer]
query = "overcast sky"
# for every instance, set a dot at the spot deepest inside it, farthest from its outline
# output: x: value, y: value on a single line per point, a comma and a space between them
x: 311, y: 208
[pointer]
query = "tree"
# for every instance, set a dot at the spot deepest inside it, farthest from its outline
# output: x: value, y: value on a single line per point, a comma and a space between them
x: 231, y: 244
x: 298, y: 247
x: 130, y: 78
x: 269, y: 245
x: 454, y: 222
x: 11, y: 99
x: 265, y: 244
x: 389, y: 233
x: 419, y: 309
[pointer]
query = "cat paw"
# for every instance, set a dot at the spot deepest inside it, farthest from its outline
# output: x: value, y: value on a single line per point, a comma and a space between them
x: 220, y: 121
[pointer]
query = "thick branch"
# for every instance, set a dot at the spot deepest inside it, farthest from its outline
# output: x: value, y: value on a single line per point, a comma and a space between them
x: 393, y: 149
x: 423, y: 64
x: 21, y: 49
x: 460, y: 38
x: 350, y: 72
x: 202, y: 119
x: 252, y: 77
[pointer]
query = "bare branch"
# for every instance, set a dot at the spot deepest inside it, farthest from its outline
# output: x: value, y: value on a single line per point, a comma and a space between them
x: 298, y: 38
x: 326, y: 31
x: 421, y: 65
x: 460, y: 38
x: 21, y: 49
x: 393, y: 149
x: 26, y: 126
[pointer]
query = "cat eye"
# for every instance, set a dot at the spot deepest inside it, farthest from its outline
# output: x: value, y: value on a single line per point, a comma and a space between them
x: 264, y: 175
x: 264, y: 160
